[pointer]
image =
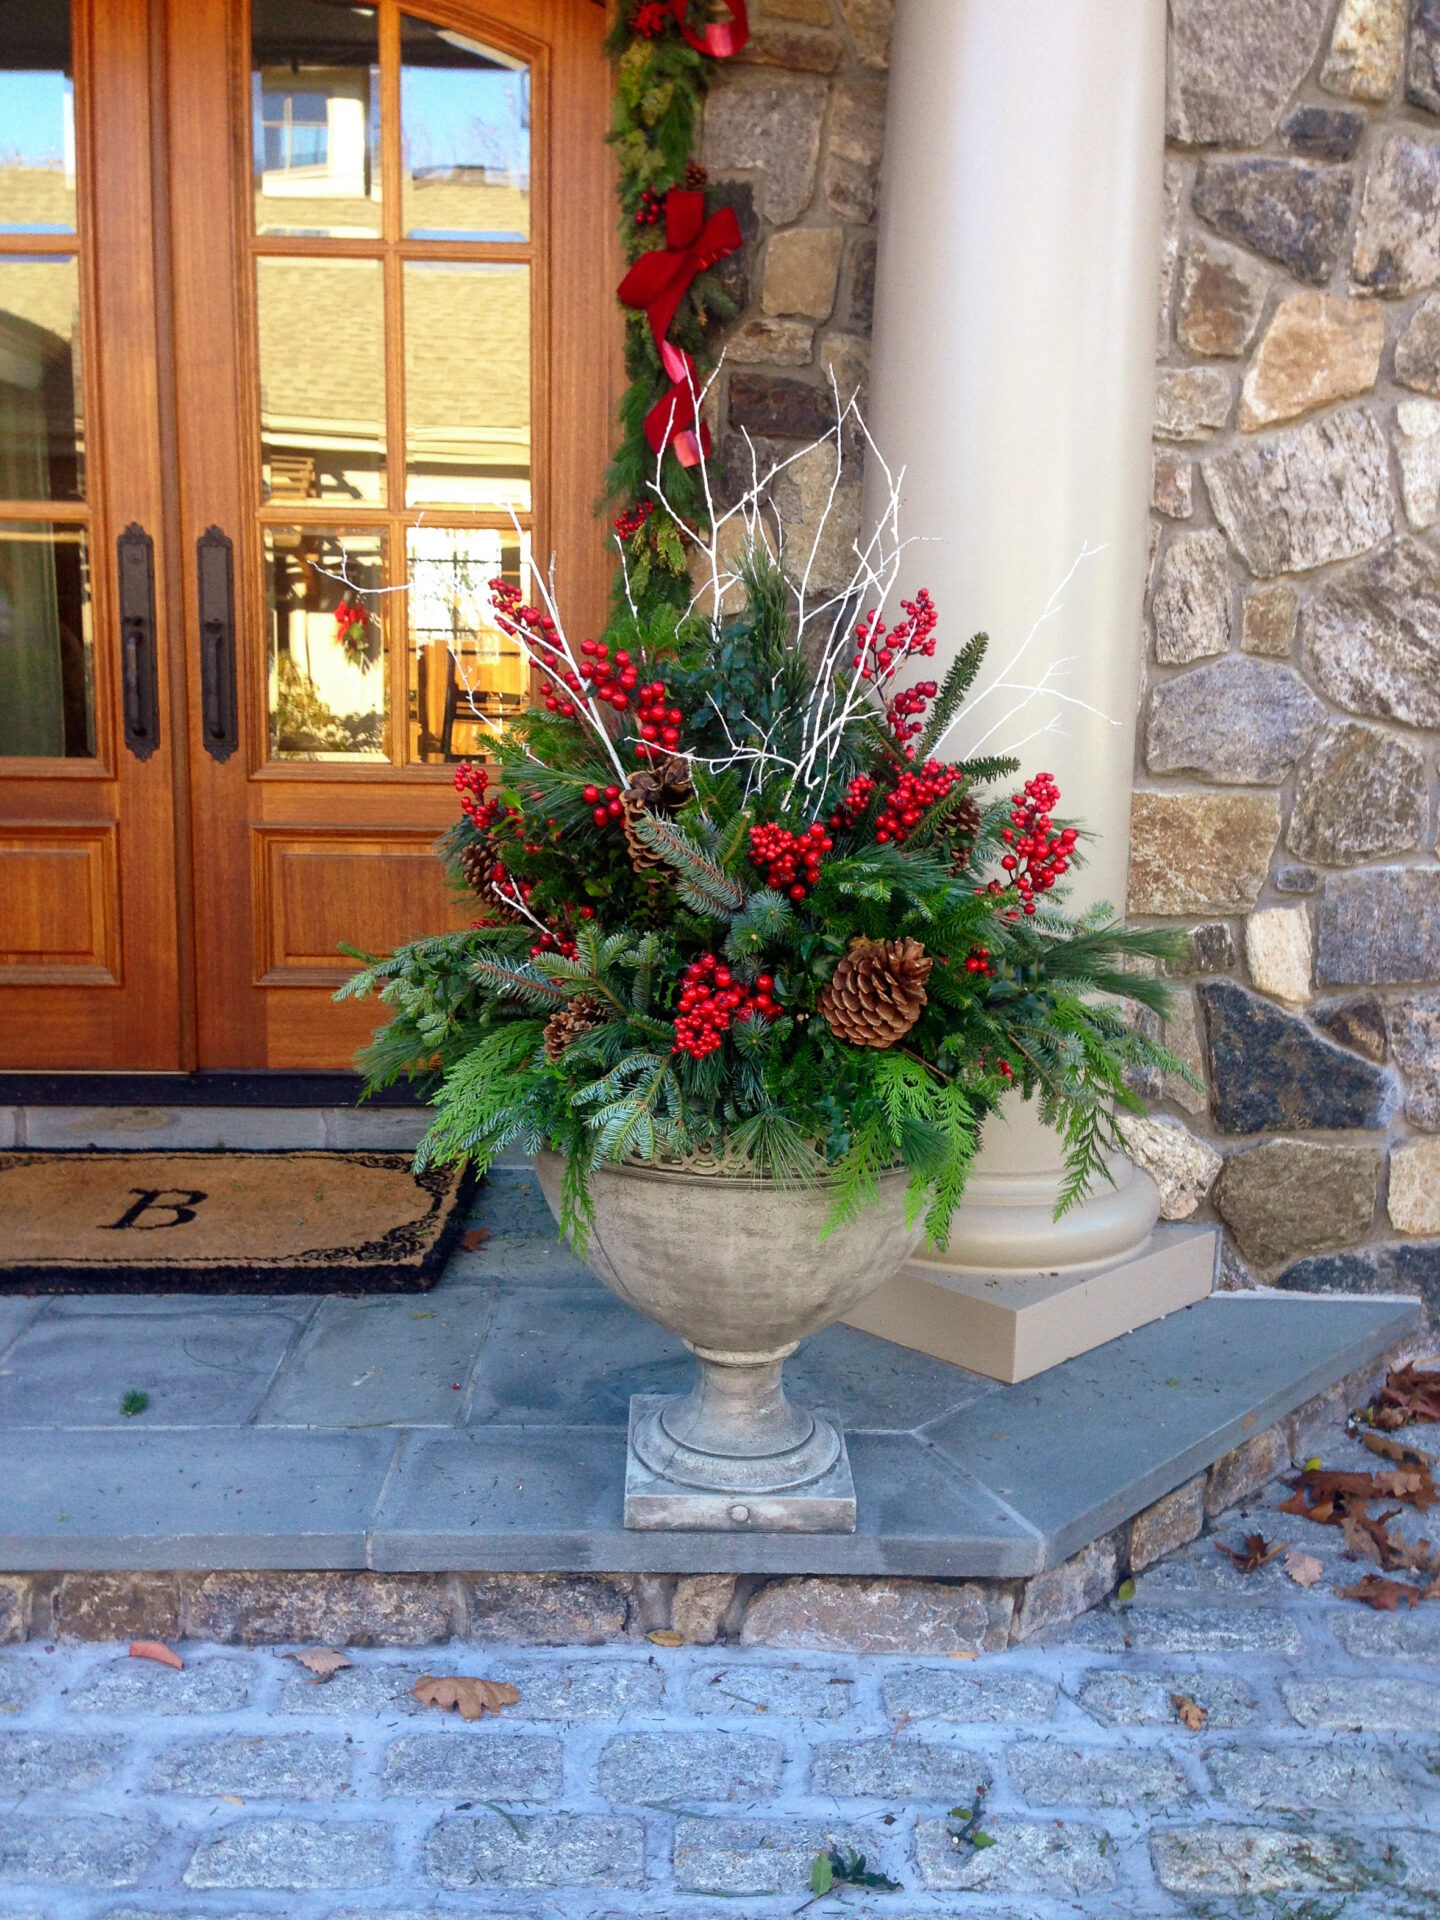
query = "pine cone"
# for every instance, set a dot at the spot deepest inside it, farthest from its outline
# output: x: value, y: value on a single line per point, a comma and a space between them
x: 578, y: 1016
x: 877, y: 991
x: 964, y: 824
x: 696, y: 176
x: 646, y: 862
x: 476, y: 860
x: 662, y: 787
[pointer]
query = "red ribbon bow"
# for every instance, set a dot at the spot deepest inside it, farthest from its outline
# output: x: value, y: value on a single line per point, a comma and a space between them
x: 722, y: 38
x: 671, y: 421
x: 658, y: 279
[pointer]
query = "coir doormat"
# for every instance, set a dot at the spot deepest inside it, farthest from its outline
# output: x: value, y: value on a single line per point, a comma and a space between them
x: 104, y: 1222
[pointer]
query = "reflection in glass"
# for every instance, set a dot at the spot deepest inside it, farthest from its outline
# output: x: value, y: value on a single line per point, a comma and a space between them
x: 37, y: 118
x: 465, y: 134
x: 325, y: 627
x: 465, y: 675
x: 41, y: 433
x: 315, y: 111
x: 322, y: 379
x: 47, y: 675
x: 467, y: 384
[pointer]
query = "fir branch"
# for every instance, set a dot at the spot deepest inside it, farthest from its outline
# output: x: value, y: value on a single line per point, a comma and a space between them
x: 959, y: 679
x: 702, y: 882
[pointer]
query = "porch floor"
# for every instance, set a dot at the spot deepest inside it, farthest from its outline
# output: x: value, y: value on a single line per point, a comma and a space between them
x: 482, y: 1426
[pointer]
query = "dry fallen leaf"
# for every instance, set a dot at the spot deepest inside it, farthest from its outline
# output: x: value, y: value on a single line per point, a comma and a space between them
x: 962, y: 1656
x: 233, y: 1798
x: 1254, y: 1554
x: 1392, y: 1449
x: 323, y: 1662
x: 1189, y: 1712
x: 473, y: 1698
x: 1304, y: 1568
x: 474, y: 1237
x: 665, y: 1637
x: 1386, y: 1596
x: 156, y: 1650
x: 1409, y: 1394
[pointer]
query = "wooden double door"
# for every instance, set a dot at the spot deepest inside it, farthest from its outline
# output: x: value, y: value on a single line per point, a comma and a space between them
x: 306, y: 332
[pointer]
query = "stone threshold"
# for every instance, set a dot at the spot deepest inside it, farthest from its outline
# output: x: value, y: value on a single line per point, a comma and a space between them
x: 810, y: 1612
x: 1009, y: 1486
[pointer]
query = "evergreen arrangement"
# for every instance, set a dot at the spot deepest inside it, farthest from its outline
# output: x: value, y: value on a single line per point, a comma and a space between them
x: 734, y: 902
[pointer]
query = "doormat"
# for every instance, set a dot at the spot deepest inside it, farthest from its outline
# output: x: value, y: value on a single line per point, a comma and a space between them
x: 221, y: 1222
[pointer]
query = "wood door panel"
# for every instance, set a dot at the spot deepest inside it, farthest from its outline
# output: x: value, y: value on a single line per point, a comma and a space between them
x: 59, y: 907
x: 319, y: 891
x: 291, y: 858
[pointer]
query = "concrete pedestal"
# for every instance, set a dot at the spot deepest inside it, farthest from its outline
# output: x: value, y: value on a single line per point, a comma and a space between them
x: 1011, y: 1325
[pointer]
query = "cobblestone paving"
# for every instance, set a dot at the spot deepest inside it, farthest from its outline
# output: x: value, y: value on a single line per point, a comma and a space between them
x: 696, y: 1783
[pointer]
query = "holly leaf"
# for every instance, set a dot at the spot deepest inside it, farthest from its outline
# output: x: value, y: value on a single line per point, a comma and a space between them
x: 471, y: 1697
x: 323, y: 1662
x: 1304, y: 1568
x: 822, y: 1875
x: 156, y: 1650
x: 1254, y: 1554
x: 1189, y: 1712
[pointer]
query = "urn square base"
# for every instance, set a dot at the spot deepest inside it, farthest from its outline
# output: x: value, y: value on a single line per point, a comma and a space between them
x: 655, y: 1505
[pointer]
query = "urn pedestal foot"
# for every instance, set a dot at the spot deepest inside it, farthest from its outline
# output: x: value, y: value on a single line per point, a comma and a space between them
x: 820, y: 1498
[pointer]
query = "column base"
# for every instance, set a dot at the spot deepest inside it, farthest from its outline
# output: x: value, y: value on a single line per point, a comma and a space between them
x: 1012, y: 1325
x: 655, y: 1503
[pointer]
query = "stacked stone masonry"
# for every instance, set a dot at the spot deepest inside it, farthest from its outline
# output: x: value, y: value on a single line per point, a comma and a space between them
x: 1285, y: 805
x: 793, y: 135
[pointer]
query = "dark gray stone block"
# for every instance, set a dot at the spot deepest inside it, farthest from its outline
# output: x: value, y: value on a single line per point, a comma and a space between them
x: 202, y: 1497
x: 1412, y: 1267
x: 1238, y: 721
x: 385, y: 1362
x: 1290, y: 212
x: 1422, y: 63
x: 1269, y: 1069
x: 1323, y: 133
x: 1379, y: 927
x: 1157, y: 1407
x: 200, y: 1366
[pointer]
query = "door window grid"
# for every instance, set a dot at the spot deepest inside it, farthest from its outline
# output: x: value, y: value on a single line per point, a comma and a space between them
x: 46, y: 638
x: 439, y: 499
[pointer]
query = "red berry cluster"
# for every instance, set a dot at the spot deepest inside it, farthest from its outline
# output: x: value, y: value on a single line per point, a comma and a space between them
x: 607, y: 805
x: 651, y: 210
x: 857, y: 798
x: 1039, y: 855
x: 978, y: 961
x: 471, y: 780
x: 649, y: 19
x: 781, y: 855
x: 879, y: 652
x: 711, y: 1000
x: 914, y: 793
x: 551, y: 942
x: 540, y: 635
x: 630, y: 520
x: 904, y: 710
x: 660, y: 723
x: 610, y: 680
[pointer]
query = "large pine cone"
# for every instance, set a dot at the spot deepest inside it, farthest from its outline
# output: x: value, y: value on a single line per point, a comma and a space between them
x: 578, y: 1016
x: 476, y: 860
x: 877, y: 992
x: 662, y: 787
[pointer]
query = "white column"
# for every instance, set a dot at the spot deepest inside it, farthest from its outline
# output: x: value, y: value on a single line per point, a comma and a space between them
x: 1013, y: 381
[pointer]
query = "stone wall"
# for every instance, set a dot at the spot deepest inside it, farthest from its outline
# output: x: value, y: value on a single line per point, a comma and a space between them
x: 1285, y: 803
x: 793, y: 135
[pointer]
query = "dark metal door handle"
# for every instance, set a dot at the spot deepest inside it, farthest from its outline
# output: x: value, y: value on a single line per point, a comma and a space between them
x: 139, y: 668
x: 215, y: 575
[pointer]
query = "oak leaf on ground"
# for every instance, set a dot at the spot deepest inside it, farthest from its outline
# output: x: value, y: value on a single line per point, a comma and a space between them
x: 1255, y: 1553
x: 323, y: 1662
x: 1305, y: 1569
x: 1189, y: 1712
x: 1410, y: 1394
x: 471, y: 1697
x: 1386, y: 1596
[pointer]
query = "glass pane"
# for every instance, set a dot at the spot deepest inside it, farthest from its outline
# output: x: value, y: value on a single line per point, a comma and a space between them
x: 325, y: 621
x: 465, y: 675
x: 465, y: 134
x: 46, y: 663
x: 322, y: 379
x: 37, y: 118
x: 315, y: 112
x: 42, y: 453
x: 467, y: 384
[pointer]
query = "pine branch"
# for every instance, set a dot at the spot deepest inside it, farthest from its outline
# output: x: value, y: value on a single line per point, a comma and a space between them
x: 702, y: 882
x: 958, y: 681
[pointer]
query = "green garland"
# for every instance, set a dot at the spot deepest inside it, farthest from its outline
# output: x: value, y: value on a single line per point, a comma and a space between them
x: 660, y: 83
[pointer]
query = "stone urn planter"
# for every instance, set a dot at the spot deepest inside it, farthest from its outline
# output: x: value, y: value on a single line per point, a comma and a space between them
x: 736, y: 1267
